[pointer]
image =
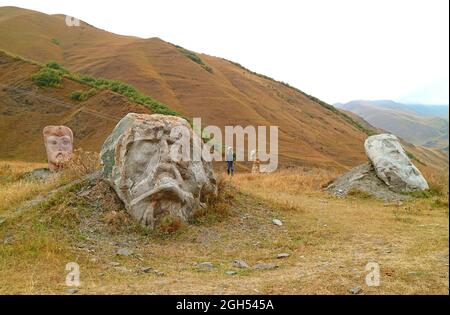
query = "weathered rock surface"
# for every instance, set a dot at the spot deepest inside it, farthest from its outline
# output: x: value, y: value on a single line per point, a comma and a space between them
x: 139, y: 162
x: 363, y: 178
x: 392, y: 165
x: 389, y: 174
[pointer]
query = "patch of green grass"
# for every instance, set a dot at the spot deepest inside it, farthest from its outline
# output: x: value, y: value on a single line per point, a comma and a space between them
x: 126, y: 90
x: 432, y: 192
x: 56, y: 66
x: 56, y: 41
x: 83, y: 95
x: 413, y: 157
x: 193, y: 56
x: 360, y: 194
x: 47, y: 77
x: 52, y: 73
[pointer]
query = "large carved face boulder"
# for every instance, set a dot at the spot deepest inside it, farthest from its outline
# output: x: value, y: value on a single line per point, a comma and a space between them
x: 392, y: 165
x: 142, y: 163
x: 58, y: 141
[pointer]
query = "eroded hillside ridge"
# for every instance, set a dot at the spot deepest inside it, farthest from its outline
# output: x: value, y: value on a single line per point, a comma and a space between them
x: 221, y: 92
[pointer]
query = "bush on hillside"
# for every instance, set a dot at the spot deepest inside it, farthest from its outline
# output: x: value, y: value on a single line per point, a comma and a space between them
x: 51, y: 75
x: 47, y: 77
x: 191, y: 55
x: 56, y: 66
x: 82, y: 95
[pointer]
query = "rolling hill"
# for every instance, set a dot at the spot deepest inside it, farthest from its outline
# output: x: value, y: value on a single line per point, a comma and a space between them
x: 418, y: 124
x: 219, y: 91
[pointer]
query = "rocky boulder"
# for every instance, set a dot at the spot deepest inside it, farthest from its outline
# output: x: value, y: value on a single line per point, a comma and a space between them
x: 363, y: 179
x: 392, y: 165
x: 142, y: 161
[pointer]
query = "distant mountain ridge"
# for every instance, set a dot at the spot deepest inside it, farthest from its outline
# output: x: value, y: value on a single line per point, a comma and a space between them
x: 426, y: 125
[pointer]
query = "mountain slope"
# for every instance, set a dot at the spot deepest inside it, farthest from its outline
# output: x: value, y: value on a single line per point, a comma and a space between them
x: 226, y: 95
x: 414, y: 123
x: 196, y: 85
x: 26, y: 109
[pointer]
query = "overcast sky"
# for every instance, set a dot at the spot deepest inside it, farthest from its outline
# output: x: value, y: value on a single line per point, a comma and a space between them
x: 335, y: 50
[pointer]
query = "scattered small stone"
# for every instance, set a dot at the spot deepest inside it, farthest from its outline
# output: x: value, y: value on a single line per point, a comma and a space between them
x: 121, y: 269
x: 146, y: 269
x: 8, y: 241
x: 240, y: 264
x: 282, y: 255
x: 159, y: 273
x: 205, y: 265
x: 231, y: 272
x: 2, y: 220
x: 277, y: 222
x: 94, y: 260
x: 264, y: 266
x: 124, y: 252
x: 325, y: 225
x: 71, y: 291
x: 83, y: 193
x: 355, y: 290
x: 114, y: 263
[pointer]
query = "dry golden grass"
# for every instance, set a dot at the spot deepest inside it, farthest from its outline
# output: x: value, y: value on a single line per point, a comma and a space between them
x: 329, y: 240
x: 81, y: 163
x: 14, y: 189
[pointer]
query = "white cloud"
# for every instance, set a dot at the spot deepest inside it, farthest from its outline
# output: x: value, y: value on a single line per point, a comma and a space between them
x: 335, y: 50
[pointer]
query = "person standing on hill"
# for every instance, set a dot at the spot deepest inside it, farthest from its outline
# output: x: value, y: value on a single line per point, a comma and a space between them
x: 230, y: 157
x: 256, y: 162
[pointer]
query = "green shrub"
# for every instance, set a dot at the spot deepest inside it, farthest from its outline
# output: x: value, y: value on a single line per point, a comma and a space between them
x: 191, y: 55
x: 76, y: 95
x: 82, y: 95
x: 47, y: 77
x: 55, y: 66
x: 52, y: 73
x: 130, y: 92
x: 55, y: 41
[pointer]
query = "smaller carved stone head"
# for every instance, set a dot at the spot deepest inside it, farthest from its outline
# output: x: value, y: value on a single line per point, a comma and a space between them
x: 58, y: 142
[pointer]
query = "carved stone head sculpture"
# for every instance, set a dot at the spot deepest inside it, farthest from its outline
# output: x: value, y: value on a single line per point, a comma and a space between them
x: 138, y: 162
x: 58, y: 142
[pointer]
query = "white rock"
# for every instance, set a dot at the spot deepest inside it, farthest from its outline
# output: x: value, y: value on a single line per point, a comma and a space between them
x: 277, y: 222
x: 392, y: 165
x: 282, y: 255
x: 240, y: 264
x: 124, y: 252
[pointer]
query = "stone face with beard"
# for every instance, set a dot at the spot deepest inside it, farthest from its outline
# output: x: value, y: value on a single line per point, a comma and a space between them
x: 58, y: 142
x: 139, y: 162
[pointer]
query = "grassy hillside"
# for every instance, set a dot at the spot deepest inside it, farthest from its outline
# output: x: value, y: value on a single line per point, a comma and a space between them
x: 329, y: 240
x: 219, y: 91
x: 26, y: 108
